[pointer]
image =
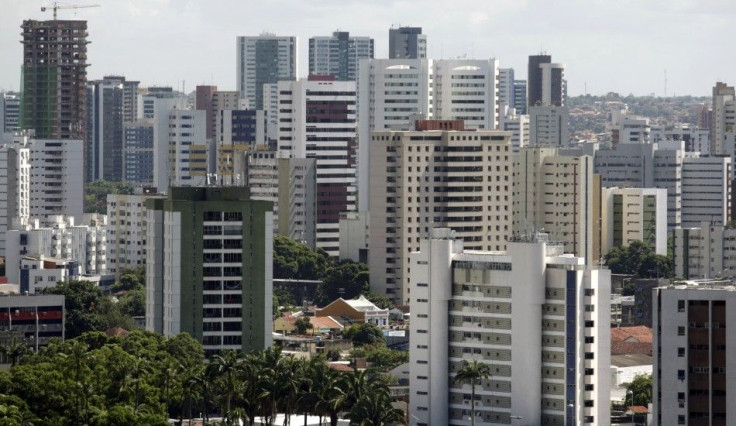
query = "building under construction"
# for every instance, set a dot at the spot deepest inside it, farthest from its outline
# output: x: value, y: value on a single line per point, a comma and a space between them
x: 54, y: 78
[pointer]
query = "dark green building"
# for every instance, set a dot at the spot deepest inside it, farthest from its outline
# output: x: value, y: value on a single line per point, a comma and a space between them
x: 209, y: 267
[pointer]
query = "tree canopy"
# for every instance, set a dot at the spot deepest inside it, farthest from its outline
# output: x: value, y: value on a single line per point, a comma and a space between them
x: 144, y: 379
x: 641, y: 390
x: 638, y: 259
x: 95, y: 194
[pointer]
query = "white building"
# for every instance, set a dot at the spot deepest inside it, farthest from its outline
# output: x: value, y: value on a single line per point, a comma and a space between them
x: 156, y: 106
x: 706, y: 190
x: 126, y: 231
x: 505, y: 88
x: 634, y: 214
x: 263, y: 59
x: 518, y: 125
x: 38, y: 272
x: 705, y: 251
x: 390, y: 92
x: 539, y: 318
x: 15, y: 175
x: 427, y: 178
x: 629, y: 129
x: 354, y: 236
x: 549, y: 126
x: 317, y: 119
x: 61, y: 238
x: 57, y: 179
x: 9, y: 112
x: 556, y: 195
x: 338, y: 55
x: 465, y: 89
x: 694, y: 355
x: 724, y: 116
x: 188, y: 148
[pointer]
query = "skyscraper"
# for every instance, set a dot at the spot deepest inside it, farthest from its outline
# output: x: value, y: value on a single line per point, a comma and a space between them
x: 105, y: 120
x: 407, y: 43
x: 54, y: 78
x: 506, y: 90
x: 546, y: 83
x: 9, y: 112
x: 338, y: 55
x: 264, y: 59
x: 209, y: 267
x: 723, y: 117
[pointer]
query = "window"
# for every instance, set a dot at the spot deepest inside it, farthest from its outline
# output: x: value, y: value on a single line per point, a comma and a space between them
x: 681, y: 331
x: 680, y: 306
x: 680, y: 352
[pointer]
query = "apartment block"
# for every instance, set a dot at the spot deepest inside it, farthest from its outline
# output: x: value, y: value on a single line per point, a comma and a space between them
x: 15, y: 176
x: 138, y: 151
x: 705, y: 251
x: 264, y: 59
x: 187, y: 148
x: 467, y: 90
x: 407, y: 43
x: 338, y: 55
x: 318, y: 120
x: 9, y: 112
x: 555, y: 194
x: 549, y: 126
x: 126, y: 230
x: 209, y: 267
x: 634, y: 214
x: 539, y: 318
x: 56, y: 178
x: 425, y: 178
x: 706, y: 190
x: 518, y: 125
x: 693, y: 358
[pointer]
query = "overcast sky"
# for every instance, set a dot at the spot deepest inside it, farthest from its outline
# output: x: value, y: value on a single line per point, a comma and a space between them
x: 622, y: 45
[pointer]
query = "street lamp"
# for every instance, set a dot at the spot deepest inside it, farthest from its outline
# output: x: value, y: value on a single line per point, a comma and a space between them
x: 631, y: 392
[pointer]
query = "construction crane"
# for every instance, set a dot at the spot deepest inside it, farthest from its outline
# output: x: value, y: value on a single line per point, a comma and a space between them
x: 57, y: 6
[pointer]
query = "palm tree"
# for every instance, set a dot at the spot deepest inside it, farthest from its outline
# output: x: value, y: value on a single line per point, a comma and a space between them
x: 376, y: 409
x: 472, y: 372
x: 136, y: 373
x: 225, y: 367
x: 77, y: 355
x: 331, y: 396
x: 15, y: 351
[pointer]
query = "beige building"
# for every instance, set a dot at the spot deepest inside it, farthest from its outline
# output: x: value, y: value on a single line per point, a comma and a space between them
x: 557, y: 195
x: 444, y: 177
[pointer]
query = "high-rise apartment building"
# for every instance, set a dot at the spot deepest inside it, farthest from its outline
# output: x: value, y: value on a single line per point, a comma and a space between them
x: 391, y: 91
x: 104, y: 156
x: 694, y: 360
x: 436, y: 175
x: 545, y: 82
x: 261, y: 60
x: 138, y: 151
x: 54, y: 78
x: 465, y: 89
x: 9, y: 112
x: 505, y: 88
x: 706, y: 190
x: 187, y: 148
x: 126, y: 230
x: 209, y: 267
x: 15, y: 175
x: 56, y: 180
x: 704, y: 251
x: 537, y: 317
x: 238, y: 131
x: 520, y: 96
x: 318, y: 120
x: 549, y: 126
x: 407, y: 43
x: 518, y: 125
x: 203, y: 102
x: 556, y: 194
x: 626, y: 128
x: 634, y: 214
x: 723, y: 117
x: 338, y: 55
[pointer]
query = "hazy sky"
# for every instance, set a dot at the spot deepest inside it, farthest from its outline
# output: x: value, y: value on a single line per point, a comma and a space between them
x: 622, y: 46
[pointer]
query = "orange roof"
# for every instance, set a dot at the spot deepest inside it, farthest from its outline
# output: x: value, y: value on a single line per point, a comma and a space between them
x: 324, y: 322
x: 638, y: 409
x: 638, y: 334
x: 340, y: 367
x: 630, y: 348
x: 116, y: 332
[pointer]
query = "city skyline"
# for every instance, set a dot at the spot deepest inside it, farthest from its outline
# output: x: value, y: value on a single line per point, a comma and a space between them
x: 623, y: 48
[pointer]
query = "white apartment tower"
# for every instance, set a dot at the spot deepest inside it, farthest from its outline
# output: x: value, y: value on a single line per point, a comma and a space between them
x: 536, y: 316
x: 338, y: 55
x: 505, y: 88
x: 15, y: 175
x: 390, y: 92
x: 465, y: 89
x: 264, y: 59
x: 518, y: 125
x: 188, y: 149
x: 694, y: 355
x: 435, y: 178
x: 57, y: 179
x: 706, y: 190
x: 126, y: 231
x: 555, y: 194
x: 317, y: 119
x: 549, y: 126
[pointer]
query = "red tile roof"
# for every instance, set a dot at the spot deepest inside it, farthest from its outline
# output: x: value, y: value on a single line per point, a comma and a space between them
x: 638, y: 334
x: 638, y: 409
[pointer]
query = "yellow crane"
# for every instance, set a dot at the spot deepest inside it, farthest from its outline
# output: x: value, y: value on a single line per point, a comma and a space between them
x: 57, y: 6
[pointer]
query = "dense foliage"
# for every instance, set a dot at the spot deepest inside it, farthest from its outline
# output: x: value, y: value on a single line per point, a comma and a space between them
x: 638, y: 259
x: 89, y: 309
x: 145, y: 379
x: 364, y: 334
x: 95, y: 194
x: 295, y: 260
x: 639, y: 390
